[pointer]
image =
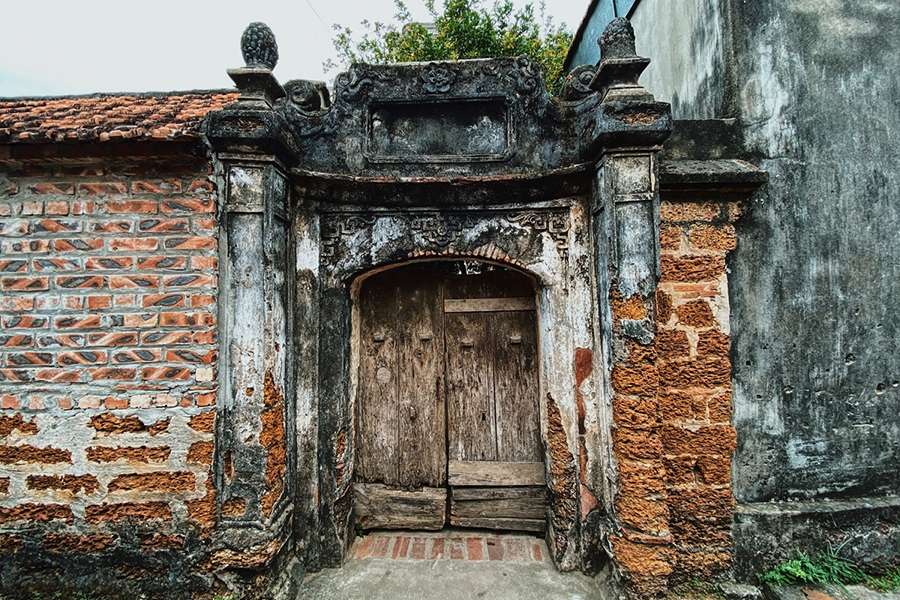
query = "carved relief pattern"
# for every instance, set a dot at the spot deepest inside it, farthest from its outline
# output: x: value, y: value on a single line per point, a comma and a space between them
x: 439, y: 230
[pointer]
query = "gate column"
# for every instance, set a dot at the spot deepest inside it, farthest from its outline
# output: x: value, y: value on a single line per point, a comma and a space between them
x: 629, y: 128
x: 255, y: 429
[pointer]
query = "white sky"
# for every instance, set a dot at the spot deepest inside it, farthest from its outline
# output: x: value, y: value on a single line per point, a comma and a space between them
x: 50, y: 47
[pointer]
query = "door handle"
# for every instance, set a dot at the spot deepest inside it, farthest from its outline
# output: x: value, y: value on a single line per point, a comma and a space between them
x: 466, y: 343
x: 413, y: 413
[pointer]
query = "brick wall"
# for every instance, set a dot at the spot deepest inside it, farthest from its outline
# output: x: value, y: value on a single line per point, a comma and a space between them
x: 697, y: 436
x: 108, y: 281
x: 673, y: 437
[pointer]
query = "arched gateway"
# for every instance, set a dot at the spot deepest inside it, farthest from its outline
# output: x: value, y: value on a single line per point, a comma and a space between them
x: 454, y: 291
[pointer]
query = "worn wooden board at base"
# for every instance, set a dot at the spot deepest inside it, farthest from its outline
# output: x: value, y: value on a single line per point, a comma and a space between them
x: 537, y: 525
x: 496, y: 474
x: 499, y: 503
x: 380, y: 507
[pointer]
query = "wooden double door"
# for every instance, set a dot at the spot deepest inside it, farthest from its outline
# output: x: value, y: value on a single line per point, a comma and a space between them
x: 448, y: 421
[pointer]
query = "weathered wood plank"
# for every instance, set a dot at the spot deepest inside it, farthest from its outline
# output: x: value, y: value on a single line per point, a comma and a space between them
x: 470, y: 387
x: 421, y: 437
x: 524, y: 503
x: 516, y: 386
x: 499, y: 493
x: 489, y: 473
x: 378, y: 385
x: 381, y: 507
x: 488, y: 304
x: 536, y: 525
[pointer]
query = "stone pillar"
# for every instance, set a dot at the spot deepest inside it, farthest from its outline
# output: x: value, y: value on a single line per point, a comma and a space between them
x: 629, y: 129
x: 255, y: 428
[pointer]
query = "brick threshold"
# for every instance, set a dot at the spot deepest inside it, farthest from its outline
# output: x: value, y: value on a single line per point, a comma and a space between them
x: 449, y: 544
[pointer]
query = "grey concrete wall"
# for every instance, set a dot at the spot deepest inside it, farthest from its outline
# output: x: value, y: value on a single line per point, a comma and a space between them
x: 815, y: 277
x: 687, y: 41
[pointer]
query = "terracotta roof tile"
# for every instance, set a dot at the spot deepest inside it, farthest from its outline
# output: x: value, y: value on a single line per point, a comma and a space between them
x: 170, y: 116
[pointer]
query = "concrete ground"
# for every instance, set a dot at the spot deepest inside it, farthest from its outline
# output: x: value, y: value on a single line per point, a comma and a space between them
x: 450, y: 565
x: 382, y: 579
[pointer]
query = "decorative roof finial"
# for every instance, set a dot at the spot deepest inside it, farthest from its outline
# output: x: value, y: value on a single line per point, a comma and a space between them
x: 620, y: 67
x: 617, y: 40
x: 258, y: 46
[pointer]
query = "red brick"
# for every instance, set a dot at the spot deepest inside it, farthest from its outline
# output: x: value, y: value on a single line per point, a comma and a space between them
x: 380, y: 547
x: 418, y: 549
x: 108, y: 263
x: 83, y: 357
x: 401, y: 547
x: 157, y: 186
x: 200, y: 300
x: 176, y: 481
x: 167, y: 338
x: 56, y: 226
x: 179, y: 319
x: 128, y: 338
x: 165, y: 374
x: 49, y: 187
x: 29, y: 359
x: 77, y: 322
x: 27, y: 246
x: 16, y: 341
x: 191, y: 243
x: 191, y: 356
x: 133, y: 281
x: 133, y: 244
x: 132, y: 206
x: 112, y: 226
x: 16, y: 375
x: 99, y: 302
x: 13, y: 266
x: 494, y: 548
x: 102, y: 188
x: 58, y: 207
x: 36, y: 513
x: 204, y: 263
x: 58, y: 375
x: 114, y: 373
x: 187, y: 205
x: 77, y: 245
x: 80, y: 282
x: 163, y: 225
x: 56, y: 264
x: 164, y: 300
x: 99, y: 513
x: 162, y: 263
x: 26, y: 454
x: 25, y: 284
x: 61, y: 341
x: 437, y: 548
x: 175, y: 281
x: 474, y: 548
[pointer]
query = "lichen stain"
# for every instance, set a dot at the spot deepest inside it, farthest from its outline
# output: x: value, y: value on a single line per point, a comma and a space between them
x: 562, y: 478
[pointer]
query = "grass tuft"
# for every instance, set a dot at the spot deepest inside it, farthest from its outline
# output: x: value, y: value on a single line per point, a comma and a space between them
x: 827, y: 568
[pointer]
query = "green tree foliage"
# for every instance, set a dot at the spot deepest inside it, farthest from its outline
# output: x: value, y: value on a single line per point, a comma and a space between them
x: 460, y: 29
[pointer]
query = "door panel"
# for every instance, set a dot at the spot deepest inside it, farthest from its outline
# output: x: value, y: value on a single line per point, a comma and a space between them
x: 470, y: 383
x: 516, y: 386
x: 423, y: 456
x: 378, y: 384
